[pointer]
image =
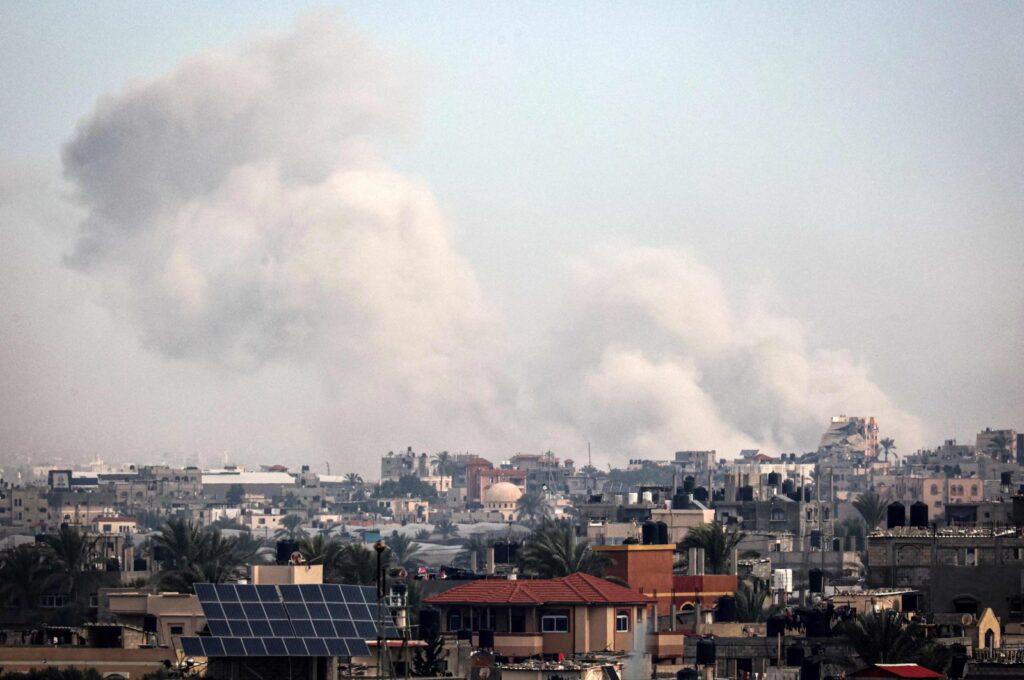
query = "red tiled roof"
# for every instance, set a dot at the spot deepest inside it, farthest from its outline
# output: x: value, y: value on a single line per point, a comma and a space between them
x: 897, y: 670
x: 572, y: 589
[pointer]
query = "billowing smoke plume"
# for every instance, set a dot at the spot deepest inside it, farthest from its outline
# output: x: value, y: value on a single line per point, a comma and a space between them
x: 239, y: 214
x: 656, y: 357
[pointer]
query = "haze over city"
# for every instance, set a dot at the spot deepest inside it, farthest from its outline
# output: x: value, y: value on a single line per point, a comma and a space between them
x: 266, y: 234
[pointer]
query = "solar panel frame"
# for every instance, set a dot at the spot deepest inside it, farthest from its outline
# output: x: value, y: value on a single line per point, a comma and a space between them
x: 192, y: 646
x: 289, y: 620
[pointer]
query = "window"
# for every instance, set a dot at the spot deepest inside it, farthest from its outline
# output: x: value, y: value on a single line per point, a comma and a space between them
x: 622, y: 622
x: 554, y: 623
x: 177, y: 630
x: 454, y: 621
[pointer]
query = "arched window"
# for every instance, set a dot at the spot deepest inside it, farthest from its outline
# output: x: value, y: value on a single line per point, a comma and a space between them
x: 935, y: 489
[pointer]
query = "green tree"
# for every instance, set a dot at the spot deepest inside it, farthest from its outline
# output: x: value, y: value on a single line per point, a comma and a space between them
x: 323, y: 550
x: 423, y: 535
x: 402, y: 550
x: 885, y: 637
x: 887, y: 446
x: 533, y: 508
x: 718, y: 541
x: 25, y: 574
x: 872, y: 508
x: 553, y: 551
x: 407, y: 486
x: 189, y: 554
x: 291, y: 528
x: 445, y: 528
x: 999, y: 446
x: 477, y: 544
x: 751, y: 596
x: 235, y: 494
x: 72, y: 558
x: 429, y: 660
x: 357, y: 565
x: 353, y: 479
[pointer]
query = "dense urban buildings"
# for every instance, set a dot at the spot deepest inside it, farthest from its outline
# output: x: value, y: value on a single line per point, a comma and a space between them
x: 524, y: 563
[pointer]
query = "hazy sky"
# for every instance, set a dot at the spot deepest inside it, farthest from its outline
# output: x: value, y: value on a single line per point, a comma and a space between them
x: 265, y: 232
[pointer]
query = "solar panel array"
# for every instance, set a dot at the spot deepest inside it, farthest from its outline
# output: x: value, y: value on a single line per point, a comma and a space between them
x: 287, y: 620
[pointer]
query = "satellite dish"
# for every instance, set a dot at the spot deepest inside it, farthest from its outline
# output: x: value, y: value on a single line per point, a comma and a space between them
x: 967, y: 619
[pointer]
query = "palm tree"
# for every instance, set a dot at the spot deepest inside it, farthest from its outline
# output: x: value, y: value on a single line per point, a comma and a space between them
x: 445, y: 528
x: 751, y: 596
x: 423, y: 535
x: 999, y: 446
x: 553, y: 551
x: 403, y: 550
x: 718, y: 541
x: 190, y: 554
x: 477, y: 544
x: 291, y: 528
x: 72, y: 557
x: 887, y: 446
x: 872, y: 508
x: 353, y: 479
x: 322, y: 550
x: 444, y: 460
x: 533, y: 506
x: 885, y: 637
x: 24, y: 575
x: 356, y: 565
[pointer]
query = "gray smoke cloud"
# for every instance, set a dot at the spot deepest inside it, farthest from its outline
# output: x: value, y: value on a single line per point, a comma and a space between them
x: 240, y: 215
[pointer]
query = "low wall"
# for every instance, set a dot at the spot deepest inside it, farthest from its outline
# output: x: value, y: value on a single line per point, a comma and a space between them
x: 132, y: 663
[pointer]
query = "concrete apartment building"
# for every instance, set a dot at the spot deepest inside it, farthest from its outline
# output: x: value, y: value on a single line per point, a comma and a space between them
x: 956, y: 570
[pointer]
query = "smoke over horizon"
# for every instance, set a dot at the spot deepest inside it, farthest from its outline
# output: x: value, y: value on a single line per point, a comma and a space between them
x: 242, y: 218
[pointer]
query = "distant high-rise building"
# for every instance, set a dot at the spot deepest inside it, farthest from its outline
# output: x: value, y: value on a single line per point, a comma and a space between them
x: 851, y: 434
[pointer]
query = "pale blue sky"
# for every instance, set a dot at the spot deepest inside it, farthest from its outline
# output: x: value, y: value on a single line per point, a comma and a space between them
x: 864, y: 161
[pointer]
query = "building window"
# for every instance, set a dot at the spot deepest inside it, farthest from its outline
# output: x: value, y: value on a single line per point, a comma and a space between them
x: 454, y: 621
x: 935, y: 489
x: 177, y: 630
x: 622, y: 622
x: 554, y: 623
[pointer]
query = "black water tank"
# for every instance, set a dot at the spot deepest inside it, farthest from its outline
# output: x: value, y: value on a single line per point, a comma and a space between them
x: 1018, y: 510
x: 817, y: 579
x: 649, y: 533
x: 795, y: 496
x: 687, y: 674
x: 788, y: 487
x: 810, y: 670
x: 794, y: 655
x: 1006, y: 478
x: 139, y: 564
x: 465, y: 634
x: 160, y: 554
x: 919, y: 515
x: 149, y: 623
x: 700, y: 494
x: 430, y: 623
x: 807, y: 495
x: 681, y: 501
x: 113, y: 564
x: 896, y: 515
x: 817, y: 624
x: 630, y: 541
x: 745, y: 493
x: 775, y: 626
x: 718, y: 495
x: 662, y: 533
x: 285, y: 550
x: 486, y: 639
x: 705, y: 652
x: 688, y: 483
x: 726, y: 611
x: 774, y: 479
